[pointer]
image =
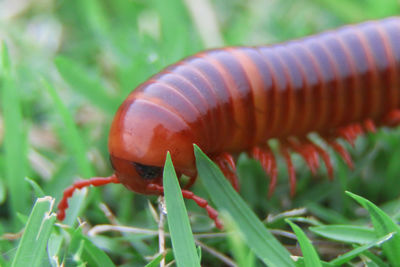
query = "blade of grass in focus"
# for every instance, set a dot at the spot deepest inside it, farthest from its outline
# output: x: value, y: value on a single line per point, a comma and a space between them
x: 32, y: 247
x: 346, y: 233
x: 15, y: 139
x: 257, y: 236
x: 310, y: 255
x: 179, y: 226
x: 345, y: 258
x: 383, y: 225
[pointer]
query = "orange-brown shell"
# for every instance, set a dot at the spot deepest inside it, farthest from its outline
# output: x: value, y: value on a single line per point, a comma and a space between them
x: 233, y: 99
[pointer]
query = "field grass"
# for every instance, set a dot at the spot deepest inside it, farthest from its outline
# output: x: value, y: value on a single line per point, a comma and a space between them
x: 65, y: 66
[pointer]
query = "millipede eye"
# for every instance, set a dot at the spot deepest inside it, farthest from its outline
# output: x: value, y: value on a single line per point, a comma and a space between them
x: 147, y: 171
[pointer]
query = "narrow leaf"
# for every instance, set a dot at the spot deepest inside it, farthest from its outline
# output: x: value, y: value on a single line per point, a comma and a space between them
x: 311, y: 257
x: 181, y: 234
x: 32, y: 247
x: 342, y: 259
x: 346, y: 233
x: 383, y: 225
x: 258, y: 238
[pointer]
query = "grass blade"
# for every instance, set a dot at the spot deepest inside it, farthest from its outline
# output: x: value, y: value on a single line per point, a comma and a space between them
x: 239, y: 250
x: 383, y: 225
x: 85, y: 251
x: 258, y: 238
x: 346, y: 233
x: 311, y: 257
x: 181, y: 234
x: 31, y: 249
x: 342, y: 259
x: 15, y: 141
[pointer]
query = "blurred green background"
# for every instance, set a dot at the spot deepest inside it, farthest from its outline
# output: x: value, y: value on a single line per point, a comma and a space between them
x: 71, y: 63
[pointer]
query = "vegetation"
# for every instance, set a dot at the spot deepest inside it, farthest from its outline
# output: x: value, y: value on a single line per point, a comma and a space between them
x: 65, y: 66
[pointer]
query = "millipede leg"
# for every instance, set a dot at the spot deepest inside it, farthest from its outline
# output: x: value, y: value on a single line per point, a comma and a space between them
x: 268, y: 162
x: 308, y: 152
x: 392, y: 118
x: 351, y: 132
x: 325, y: 157
x: 369, y: 126
x: 95, y: 181
x: 227, y: 165
x: 201, y: 202
x: 342, y: 152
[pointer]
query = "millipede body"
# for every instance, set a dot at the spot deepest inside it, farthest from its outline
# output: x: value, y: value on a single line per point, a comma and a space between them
x: 338, y: 84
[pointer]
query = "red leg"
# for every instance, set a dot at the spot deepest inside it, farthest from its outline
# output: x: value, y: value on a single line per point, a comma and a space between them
x: 268, y: 162
x: 342, y: 152
x: 350, y: 133
x: 392, y: 118
x: 227, y: 165
x: 212, y: 213
x: 326, y: 158
x: 369, y: 126
x: 308, y: 152
x: 95, y: 181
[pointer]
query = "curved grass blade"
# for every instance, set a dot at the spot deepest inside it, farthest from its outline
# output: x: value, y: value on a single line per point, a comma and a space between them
x: 256, y: 235
x: 383, y: 225
x: 346, y: 233
x: 32, y: 247
x: 181, y: 234
x: 342, y: 259
x: 311, y: 257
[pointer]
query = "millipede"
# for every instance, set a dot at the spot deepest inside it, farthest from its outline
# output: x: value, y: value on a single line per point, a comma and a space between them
x: 338, y: 84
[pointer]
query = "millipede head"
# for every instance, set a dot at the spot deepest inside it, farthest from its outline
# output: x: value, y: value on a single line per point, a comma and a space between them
x: 136, y: 176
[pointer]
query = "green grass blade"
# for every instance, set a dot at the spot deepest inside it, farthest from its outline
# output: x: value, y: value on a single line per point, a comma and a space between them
x: 32, y: 247
x: 342, y: 259
x: 85, y: 251
x: 374, y: 260
x: 54, y: 246
x: 181, y: 234
x: 311, y: 257
x: 36, y: 188
x: 156, y: 261
x: 15, y: 141
x: 90, y: 88
x: 258, y: 238
x: 240, y: 251
x: 96, y: 254
x: 383, y: 225
x: 346, y: 233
